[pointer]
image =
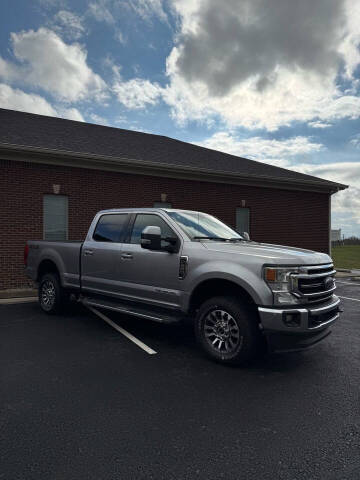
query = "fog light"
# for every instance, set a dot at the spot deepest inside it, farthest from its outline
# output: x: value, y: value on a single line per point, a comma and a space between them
x: 292, y: 319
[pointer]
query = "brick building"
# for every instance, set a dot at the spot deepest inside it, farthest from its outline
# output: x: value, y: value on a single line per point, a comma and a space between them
x: 56, y: 174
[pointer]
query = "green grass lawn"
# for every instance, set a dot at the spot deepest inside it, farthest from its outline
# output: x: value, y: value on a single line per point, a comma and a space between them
x: 346, y: 256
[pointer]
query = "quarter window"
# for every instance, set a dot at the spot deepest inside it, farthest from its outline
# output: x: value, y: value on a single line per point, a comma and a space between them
x: 55, y: 217
x: 145, y: 220
x: 110, y: 228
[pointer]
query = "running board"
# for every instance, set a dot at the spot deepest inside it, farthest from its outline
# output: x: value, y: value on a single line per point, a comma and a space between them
x: 154, y: 314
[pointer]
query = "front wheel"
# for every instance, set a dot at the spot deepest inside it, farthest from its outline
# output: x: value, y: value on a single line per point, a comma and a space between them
x: 226, y: 331
x: 52, y: 297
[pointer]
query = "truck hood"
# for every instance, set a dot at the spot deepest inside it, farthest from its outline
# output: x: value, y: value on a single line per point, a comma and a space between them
x: 269, y: 253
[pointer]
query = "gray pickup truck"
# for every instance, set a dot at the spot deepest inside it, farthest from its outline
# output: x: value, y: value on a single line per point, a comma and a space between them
x: 168, y: 265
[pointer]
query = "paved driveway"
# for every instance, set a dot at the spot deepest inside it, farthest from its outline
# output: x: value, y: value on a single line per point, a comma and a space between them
x: 80, y: 401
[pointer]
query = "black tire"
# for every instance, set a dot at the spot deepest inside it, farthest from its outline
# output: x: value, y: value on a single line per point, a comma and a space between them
x: 226, y: 320
x: 52, y: 297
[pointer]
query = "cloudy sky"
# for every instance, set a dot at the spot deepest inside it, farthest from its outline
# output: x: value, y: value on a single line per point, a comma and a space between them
x: 273, y: 80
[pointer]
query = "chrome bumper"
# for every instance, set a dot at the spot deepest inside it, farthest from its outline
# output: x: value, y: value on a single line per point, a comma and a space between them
x: 310, y: 319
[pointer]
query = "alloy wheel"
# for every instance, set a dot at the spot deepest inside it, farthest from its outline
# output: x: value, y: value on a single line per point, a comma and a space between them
x: 222, y: 331
x: 48, y: 294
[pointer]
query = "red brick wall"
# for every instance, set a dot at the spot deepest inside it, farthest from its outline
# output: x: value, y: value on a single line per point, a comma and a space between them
x: 276, y: 216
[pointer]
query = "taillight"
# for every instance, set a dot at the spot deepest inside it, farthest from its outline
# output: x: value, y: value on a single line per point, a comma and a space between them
x: 26, y: 253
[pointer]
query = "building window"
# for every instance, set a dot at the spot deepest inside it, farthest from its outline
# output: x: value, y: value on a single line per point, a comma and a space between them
x: 243, y: 220
x: 55, y: 217
x: 162, y: 205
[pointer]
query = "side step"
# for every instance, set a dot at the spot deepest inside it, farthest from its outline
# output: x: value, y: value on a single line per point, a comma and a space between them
x: 155, y: 314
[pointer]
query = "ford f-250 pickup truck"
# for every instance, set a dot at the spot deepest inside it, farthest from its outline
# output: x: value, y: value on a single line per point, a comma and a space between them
x: 167, y: 265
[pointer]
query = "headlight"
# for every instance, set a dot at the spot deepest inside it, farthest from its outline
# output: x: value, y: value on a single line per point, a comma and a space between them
x: 281, y: 283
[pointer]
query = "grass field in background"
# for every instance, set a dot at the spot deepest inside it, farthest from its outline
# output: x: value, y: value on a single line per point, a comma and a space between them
x: 346, y: 256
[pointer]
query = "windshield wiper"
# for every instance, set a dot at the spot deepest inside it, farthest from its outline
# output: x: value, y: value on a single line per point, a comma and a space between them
x: 210, y: 238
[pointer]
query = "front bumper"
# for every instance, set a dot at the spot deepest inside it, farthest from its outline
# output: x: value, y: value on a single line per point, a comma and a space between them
x: 312, y: 325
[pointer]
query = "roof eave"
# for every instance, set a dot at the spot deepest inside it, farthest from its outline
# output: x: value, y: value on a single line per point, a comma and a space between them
x: 128, y: 165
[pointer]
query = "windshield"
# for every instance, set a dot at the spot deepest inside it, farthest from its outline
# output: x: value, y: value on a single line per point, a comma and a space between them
x: 198, y: 225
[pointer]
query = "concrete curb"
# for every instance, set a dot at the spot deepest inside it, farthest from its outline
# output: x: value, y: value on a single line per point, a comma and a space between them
x: 15, y: 300
x: 18, y: 293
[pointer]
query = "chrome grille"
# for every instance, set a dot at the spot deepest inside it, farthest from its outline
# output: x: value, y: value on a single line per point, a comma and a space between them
x: 314, y: 283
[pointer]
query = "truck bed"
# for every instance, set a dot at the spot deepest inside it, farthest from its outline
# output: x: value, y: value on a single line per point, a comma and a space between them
x: 64, y: 254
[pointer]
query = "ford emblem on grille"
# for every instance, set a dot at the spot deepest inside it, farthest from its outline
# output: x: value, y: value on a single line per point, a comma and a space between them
x: 328, y: 283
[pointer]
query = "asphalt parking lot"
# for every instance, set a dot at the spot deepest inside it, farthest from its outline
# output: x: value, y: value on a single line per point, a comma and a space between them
x: 79, y: 401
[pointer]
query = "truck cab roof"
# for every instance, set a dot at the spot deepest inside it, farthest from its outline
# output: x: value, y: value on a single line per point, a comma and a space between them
x: 145, y: 209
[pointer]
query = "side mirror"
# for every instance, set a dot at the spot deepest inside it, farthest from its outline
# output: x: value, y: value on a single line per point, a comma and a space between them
x: 151, y: 238
x: 246, y: 236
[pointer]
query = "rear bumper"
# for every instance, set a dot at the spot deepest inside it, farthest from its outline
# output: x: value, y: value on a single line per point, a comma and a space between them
x: 292, y: 329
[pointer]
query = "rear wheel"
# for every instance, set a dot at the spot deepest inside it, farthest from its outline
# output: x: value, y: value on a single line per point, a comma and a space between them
x: 52, y: 297
x: 227, y: 331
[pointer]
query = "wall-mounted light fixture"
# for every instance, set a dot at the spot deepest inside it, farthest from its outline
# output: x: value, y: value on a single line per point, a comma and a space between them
x: 56, y: 189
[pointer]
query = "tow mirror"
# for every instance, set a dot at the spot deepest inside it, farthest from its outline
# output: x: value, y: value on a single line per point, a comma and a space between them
x: 151, y: 238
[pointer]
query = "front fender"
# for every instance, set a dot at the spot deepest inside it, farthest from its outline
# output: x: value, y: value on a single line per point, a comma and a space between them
x: 250, y: 280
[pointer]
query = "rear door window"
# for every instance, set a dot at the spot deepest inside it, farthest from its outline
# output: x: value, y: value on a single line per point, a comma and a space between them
x: 110, y: 228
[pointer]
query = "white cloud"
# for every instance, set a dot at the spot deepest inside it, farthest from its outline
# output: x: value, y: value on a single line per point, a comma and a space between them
x: 147, y: 9
x: 341, y: 172
x: 319, y: 124
x: 15, y: 99
x: 101, y: 11
x: 109, y: 11
x: 120, y: 37
x: 355, y: 141
x: 263, y: 149
x: 344, y: 204
x: 137, y: 93
x: 109, y: 63
x: 70, y: 114
x: 52, y: 3
x: 99, y: 120
x: 350, y: 45
x: 46, y: 61
x: 69, y: 24
x: 264, y: 64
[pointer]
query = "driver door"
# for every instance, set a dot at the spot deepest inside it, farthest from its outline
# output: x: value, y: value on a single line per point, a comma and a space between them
x: 146, y: 275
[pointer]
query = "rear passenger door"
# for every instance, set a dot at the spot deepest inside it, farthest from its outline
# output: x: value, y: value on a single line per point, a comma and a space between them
x: 146, y: 275
x: 101, y: 253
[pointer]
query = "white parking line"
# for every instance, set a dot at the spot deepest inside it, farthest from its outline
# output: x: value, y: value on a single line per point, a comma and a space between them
x: 349, y: 283
x: 121, y: 330
x: 348, y: 298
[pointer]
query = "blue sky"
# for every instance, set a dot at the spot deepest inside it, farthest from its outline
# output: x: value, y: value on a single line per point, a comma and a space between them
x: 276, y: 81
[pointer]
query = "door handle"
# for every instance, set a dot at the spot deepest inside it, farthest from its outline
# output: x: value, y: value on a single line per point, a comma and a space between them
x: 88, y: 252
x: 127, y: 256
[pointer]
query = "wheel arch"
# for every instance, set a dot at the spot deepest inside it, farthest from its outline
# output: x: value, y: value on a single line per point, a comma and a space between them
x: 47, y: 266
x: 215, y: 287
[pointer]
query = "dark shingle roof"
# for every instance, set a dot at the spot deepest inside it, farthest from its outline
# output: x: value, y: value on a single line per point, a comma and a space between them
x: 29, y: 130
